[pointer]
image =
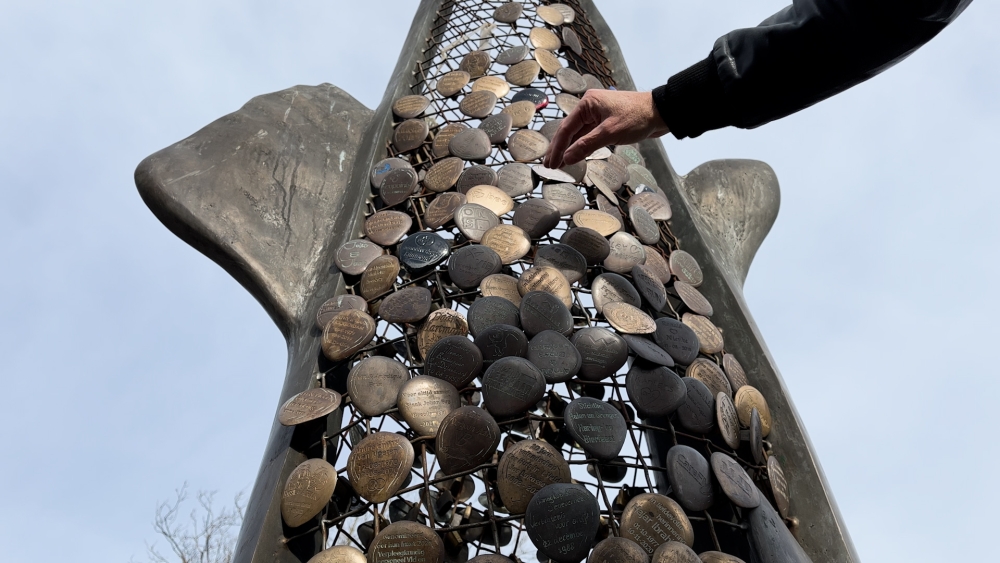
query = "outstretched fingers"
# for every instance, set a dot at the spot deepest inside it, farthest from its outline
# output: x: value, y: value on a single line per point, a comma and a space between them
x: 581, y: 121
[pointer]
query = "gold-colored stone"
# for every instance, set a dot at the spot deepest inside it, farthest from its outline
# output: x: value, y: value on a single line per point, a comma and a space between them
x: 478, y: 104
x: 440, y: 324
x: 543, y: 278
x: 424, y: 401
x: 379, y: 277
x: 628, y: 319
x: 693, y: 299
x: 527, y: 145
x: 749, y: 398
x: 657, y: 263
x: 308, y: 405
x: 501, y: 285
x: 347, y: 333
x: 442, y: 209
x: 617, y: 550
x: 307, y: 490
x: 525, y: 468
x: 495, y: 84
x: 373, y: 384
x: 718, y: 557
x: 452, y: 83
x: 409, y: 107
x: 550, y: 15
x: 509, y: 241
x: 674, y: 552
x: 626, y: 253
x: 339, y: 554
x: 443, y: 174
x: 521, y: 113
x: 444, y: 136
x: 542, y: 38
x: 709, y: 373
x: 490, y: 197
x: 567, y: 103
x: 605, y: 177
x: 476, y: 63
x: 734, y: 371
x: 548, y: 60
x: 686, y: 268
x: 523, y: 73
x: 410, y: 134
x: 651, y: 519
x: 709, y: 336
x: 387, y: 227
x: 602, y: 222
x: 408, y: 542
x: 378, y: 465
x: 727, y: 419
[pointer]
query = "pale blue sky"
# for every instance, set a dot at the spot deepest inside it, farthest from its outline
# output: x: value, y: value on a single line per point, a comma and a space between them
x: 130, y: 363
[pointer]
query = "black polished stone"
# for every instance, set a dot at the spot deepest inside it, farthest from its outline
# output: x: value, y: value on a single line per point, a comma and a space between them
x: 512, y: 386
x: 690, y: 477
x: 649, y: 286
x: 533, y: 95
x: 697, y: 412
x: 537, y: 217
x: 597, y: 426
x: 648, y: 350
x: 654, y: 390
x: 771, y: 538
x: 603, y: 352
x: 470, y: 264
x: 564, y: 258
x: 467, y: 438
x: 488, y: 311
x: 516, y: 179
x: 501, y: 341
x: 677, y: 339
x: 594, y: 247
x: 421, y: 251
x: 562, y: 520
x: 455, y: 359
x: 556, y: 357
x: 541, y: 310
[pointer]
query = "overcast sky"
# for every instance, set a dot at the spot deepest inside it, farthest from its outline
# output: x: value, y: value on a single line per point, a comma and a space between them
x: 131, y: 364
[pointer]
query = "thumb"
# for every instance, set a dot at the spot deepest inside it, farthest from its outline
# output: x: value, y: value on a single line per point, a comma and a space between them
x: 587, y: 144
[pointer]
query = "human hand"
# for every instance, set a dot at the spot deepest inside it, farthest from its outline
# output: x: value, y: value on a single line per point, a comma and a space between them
x: 602, y: 118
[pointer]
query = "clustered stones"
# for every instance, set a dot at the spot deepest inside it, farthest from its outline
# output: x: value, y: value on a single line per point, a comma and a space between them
x: 492, y: 305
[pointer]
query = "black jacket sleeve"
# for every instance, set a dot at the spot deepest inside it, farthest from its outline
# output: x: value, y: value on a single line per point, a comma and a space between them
x: 805, y: 53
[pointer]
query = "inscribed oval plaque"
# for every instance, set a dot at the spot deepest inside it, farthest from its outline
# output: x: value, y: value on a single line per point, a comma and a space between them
x: 477, y: 175
x: 697, y: 412
x: 347, y: 333
x: 424, y: 401
x: 488, y: 311
x: 654, y: 392
x: 594, y: 247
x: 541, y: 311
x: 727, y: 419
x: 649, y: 286
x: 490, y: 197
x: 378, y: 465
x: 572, y: 41
x: 473, y: 220
x: 525, y: 468
x: 497, y: 126
x: 521, y: 113
x: 406, y: 541
x: 470, y: 144
x: 537, y: 217
x: 709, y: 337
x: 674, y: 552
x: 709, y: 373
x: 655, y: 205
x: 626, y: 253
x: 421, y: 251
x: 734, y: 371
x: 756, y: 437
x: 408, y: 107
x: 334, y: 305
x: 693, y: 299
x: 515, y: 179
x: 469, y: 265
x: 387, y: 227
x: 442, y: 209
x: 648, y: 350
x: 571, y: 81
x: 397, y: 186
x: 646, y: 229
x: 444, y: 136
x: 628, y: 319
x: 541, y: 278
x: 542, y: 38
x: 307, y: 490
x: 452, y: 83
x: 408, y: 305
x: 599, y: 221
x: 501, y: 285
x: 476, y: 63
x: 478, y: 104
x: 512, y: 386
x: 564, y: 258
x: 410, y: 134
x: 501, y: 341
x: 354, y: 256
x: 657, y: 263
x: 562, y: 520
x: 442, y: 176
x: 597, y: 426
x: 749, y: 398
x: 308, y: 405
x: 454, y: 359
x: 526, y: 145
x: 686, y: 268
x: 373, y: 384
x: 550, y: 15
x: 548, y: 61
x: 651, y: 519
x: 565, y: 196
x: 523, y: 74
x: 385, y: 166
x: 690, y: 478
x: 556, y: 357
x: 510, y: 242
x: 773, y: 539
x: 779, y: 486
x: 734, y: 481
x: 467, y: 438
x: 513, y: 55
x: 441, y: 323
x: 612, y: 288
x: 677, y: 339
x: 508, y: 12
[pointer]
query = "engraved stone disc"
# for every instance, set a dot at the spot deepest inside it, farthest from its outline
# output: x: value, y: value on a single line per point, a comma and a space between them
x: 467, y: 438
x: 513, y: 55
x: 648, y: 350
x: 556, y: 357
x: 523, y: 74
x: 477, y: 175
x: 373, y: 384
x: 567, y: 102
x: 521, y: 112
x: 332, y: 306
x: 542, y: 38
x: 697, y: 412
x: 533, y: 95
x: 718, y: 557
x: 690, y: 478
x: 651, y: 519
x: 686, y: 268
x: 512, y: 386
x: 566, y: 197
x: 541, y: 278
x: 654, y: 392
x: 355, y: 255
x: 339, y: 554
x: 385, y: 166
x: 526, y: 145
x: 469, y: 265
x: 510, y: 242
x: 409, y: 107
x: 397, y: 186
x: 552, y: 174
x: 599, y: 221
x: 655, y: 204
x: 639, y: 176
x: 628, y: 319
x: 631, y: 154
x: 649, y: 286
x: 562, y: 520
x: 675, y: 552
x: 735, y: 482
x: 470, y: 144
x: 605, y: 205
x: 605, y: 177
x: 501, y: 341
x: 440, y: 324
x: 709, y: 373
x: 421, y: 251
x: 347, y: 333
x: 444, y: 136
x: 709, y: 336
x: 508, y: 13
x: 693, y: 299
x: 626, y: 253
x: 537, y: 217
x: 442, y: 209
x: 550, y: 15
x: 476, y: 63
x: 779, y: 486
x: 571, y: 40
x: 452, y: 83
x: 308, y: 405
x: 773, y: 540
x: 727, y: 419
x: 488, y: 311
x: 569, y: 16
x: 408, y: 305
x: 307, y: 490
x: 541, y: 310
x: 378, y: 465
x: 443, y: 174
x: 564, y: 258
x: 497, y: 126
x: 618, y: 550
x: 548, y: 61
x: 597, y: 426
x: 756, y: 437
x: 645, y: 227
x: 406, y: 541
x: 424, y: 402
x: 657, y: 263
x: 501, y: 285
x: 515, y: 179
x: 387, y: 227
x: 571, y: 81
x: 612, y: 288
x: 525, y: 468
x: 594, y: 247
x: 677, y: 339
x: 749, y: 398
x: 454, y: 359
x: 478, y: 104
x: 473, y: 220
x: 410, y: 134
x: 492, y: 198
x: 734, y: 371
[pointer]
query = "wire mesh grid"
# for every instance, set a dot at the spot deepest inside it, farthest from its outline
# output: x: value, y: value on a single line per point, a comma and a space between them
x: 466, y: 508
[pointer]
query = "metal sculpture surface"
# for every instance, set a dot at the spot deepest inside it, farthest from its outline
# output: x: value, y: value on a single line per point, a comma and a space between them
x: 378, y: 240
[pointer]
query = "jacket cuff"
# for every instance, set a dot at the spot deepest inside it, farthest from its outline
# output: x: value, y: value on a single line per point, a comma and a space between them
x: 692, y: 101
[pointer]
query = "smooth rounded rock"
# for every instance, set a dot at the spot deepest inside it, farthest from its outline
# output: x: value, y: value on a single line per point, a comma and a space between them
x: 424, y: 401
x: 674, y: 552
x: 654, y: 391
x: 556, y: 357
x: 597, y: 426
x: 346, y: 334
x: 562, y: 520
x: 697, y: 413
x: 542, y: 311
x: 467, y: 438
x: 379, y: 464
x: 525, y: 468
x: 307, y: 491
x: 603, y: 352
x: 690, y: 478
x: 488, y: 311
x: 564, y: 258
x: 421, y: 251
x: 468, y: 266
x: 406, y: 541
x: 618, y: 550
x: 512, y: 386
x: 374, y: 383
x: 734, y: 481
x: 308, y: 405
x: 613, y: 288
x: 651, y: 519
x: 454, y: 359
x: 501, y: 341
x: 677, y: 339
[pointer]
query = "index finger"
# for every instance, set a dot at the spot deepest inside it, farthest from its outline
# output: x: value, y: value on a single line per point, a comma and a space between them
x: 567, y: 133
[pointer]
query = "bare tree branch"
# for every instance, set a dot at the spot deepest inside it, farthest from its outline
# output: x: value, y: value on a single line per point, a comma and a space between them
x: 207, y: 536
